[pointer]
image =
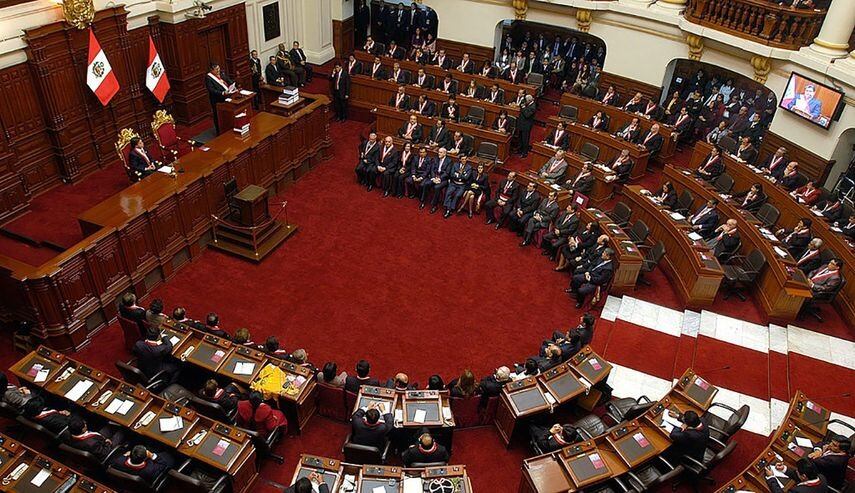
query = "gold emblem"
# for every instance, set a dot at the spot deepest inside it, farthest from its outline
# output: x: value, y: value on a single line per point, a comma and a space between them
x: 78, y: 13
x: 98, y: 69
x: 156, y: 69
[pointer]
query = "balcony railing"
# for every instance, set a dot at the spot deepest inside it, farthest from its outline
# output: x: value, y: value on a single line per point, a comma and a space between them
x: 758, y: 20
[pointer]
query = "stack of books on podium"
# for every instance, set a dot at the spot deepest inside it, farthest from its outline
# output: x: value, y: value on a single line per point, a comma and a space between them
x: 289, y: 96
x: 241, y: 123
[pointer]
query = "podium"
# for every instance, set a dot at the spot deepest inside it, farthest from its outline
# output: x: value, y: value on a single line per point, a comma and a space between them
x: 252, y: 233
x: 227, y: 110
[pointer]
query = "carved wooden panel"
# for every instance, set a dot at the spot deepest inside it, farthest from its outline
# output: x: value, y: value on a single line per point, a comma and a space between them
x: 106, y: 263
x: 75, y: 285
x: 138, y: 246
x: 262, y: 163
x: 214, y: 189
x: 14, y: 196
x: 343, y: 40
x: 167, y: 227
x: 239, y: 168
x: 194, y: 209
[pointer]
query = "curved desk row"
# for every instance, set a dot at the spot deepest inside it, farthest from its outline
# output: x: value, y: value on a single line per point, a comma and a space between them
x: 781, y: 286
x: 791, y: 212
x: 610, y: 146
x: 620, y: 449
x: 603, y: 179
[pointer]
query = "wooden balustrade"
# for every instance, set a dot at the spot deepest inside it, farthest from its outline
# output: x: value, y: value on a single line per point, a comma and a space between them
x: 761, y: 21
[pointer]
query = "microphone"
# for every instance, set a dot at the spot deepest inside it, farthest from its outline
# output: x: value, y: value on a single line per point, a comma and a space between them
x: 706, y: 372
x: 833, y: 396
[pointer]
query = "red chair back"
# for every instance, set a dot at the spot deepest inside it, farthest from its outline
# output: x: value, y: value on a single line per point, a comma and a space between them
x: 488, y: 412
x: 163, y: 127
x: 466, y: 411
x: 130, y: 331
x: 349, y: 402
x: 331, y: 402
x: 167, y: 135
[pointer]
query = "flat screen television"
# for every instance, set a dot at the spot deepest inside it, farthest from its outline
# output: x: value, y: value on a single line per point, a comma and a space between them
x: 817, y: 103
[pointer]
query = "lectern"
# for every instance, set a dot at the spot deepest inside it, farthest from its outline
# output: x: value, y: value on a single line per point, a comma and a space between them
x: 227, y: 110
x: 251, y: 203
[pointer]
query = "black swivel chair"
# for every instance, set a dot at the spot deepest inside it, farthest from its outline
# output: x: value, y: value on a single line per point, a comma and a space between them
x: 627, y: 408
x: 567, y: 112
x: 475, y: 115
x: 364, y: 454
x: 132, y: 482
x: 724, y: 428
x: 620, y: 214
x: 590, y: 426
x: 651, y: 259
x: 813, y: 306
x: 590, y: 151
x: 724, y: 183
x: 652, y: 475
x: 638, y: 232
x: 131, y: 374
x: 488, y: 150
x: 768, y: 214
x: 742, y: 272
x: 212, y: 409
x: 684, y: 203
x: 699, y: 470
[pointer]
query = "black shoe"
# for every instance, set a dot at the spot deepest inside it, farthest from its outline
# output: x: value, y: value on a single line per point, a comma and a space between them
x: 446, y: 214
x: 386, y: 193
x: 411, y: 196
x: 568, y: 290
x: 498, y: 225
x: 544, y: 253
x: 370, y: 187
x: 470, y: 215
x: 421, y: 205
x: 433, y: 209
x: 489, y: 221
x: 552, y: 258
x: 399, y: 196
x: 578, y: 304
x: 524, y: 243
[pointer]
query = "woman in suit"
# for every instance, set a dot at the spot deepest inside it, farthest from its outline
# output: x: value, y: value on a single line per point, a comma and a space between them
x: 404, y: 166
x: 752, y: 199
x: 502, y: 123
x: 667, y: 196
x: 598, y: 122
x: 477, y: 193
x: 472, y: 90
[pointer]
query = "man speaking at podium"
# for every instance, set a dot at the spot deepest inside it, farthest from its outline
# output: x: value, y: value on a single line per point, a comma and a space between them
x: 219, y: 88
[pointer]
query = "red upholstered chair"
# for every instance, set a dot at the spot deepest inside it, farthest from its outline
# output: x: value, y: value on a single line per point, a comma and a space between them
x: 488, y: 411
x: 349, y: 402
x: 163, y: 128
x: 331, y: 402
x: 131, y: 332
x: 466, y: 411
x: 123, y: 149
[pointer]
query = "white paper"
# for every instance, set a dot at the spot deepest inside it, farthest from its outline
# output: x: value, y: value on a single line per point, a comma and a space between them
x: 804, y: 443
x: 781, y: 253
x: 244, y: 368
x: 667, y: 426
x: 78, y: 390
x: 399, y: 416
x: 41, y: 376
x: 114, y: 406
x: 816, y: 212
x: 677, y: 216
x: 125, y: 407
x: 385, y: 407
x: 695, y: 236
x: 174, y: 340
x: 413, y: 485
x: 549, y: 398
x: 165, y: 169
x: 446, y: 413
x: 378, y: 489
x: 244, y: 92
x: 171, y: 424
x: 39, y: 479
x: 420, y: 416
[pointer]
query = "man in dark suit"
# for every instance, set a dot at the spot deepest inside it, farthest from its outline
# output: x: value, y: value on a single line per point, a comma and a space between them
x: 376, y: 70
x: 553, y: 169
x: 437, y: 180
x: 212, y: 326
x: 398, y: 75
x: 653, y: 111
x: 403, y: 19
x: 98, y: 443
x: 370, y: 46
x: 138, y: 159
x: 423, y: 80
x: 690, y: 439
x: 776, y: 163
x: 541, y: 218
x: 460, y: 145
x: 598, y: 274
x: 441, y: 61
x: 394, y: 51
x: 418, y: 173
x: 466, y: 65
x: 524, y: 124
x: 352, y: 383
x: 423, y: 106
x: 450, y: 110
x: 631, y: 131
x: 353, y: 66
x: 255, y: 70
x: 298, y: 57
x: 387, y: 160
x: 340, y: 90
x: 712, y: 167
x: 811, y: 259
x: 506, y: 197
x: 495, y: 95
x: 488, y: 70
x: 128, y: 309
x: 583, y: 182
x: 805, y: 475
x: 831, y: 459
x: 621, y: 165
x: 37, y: 410
x: 652, y: 141
x: 563, y: 227
x: 219, y: 88
x: 154, y: 354
x: 491, y: 386
x: 458, y: 180
x: 526, y: 204
x: 725, y: 240
x: 513, y: 74
x: 141, y: 462
x: 746, y: 151
x: 367, y: 428
x: 309, y: 484
x: 826, y: 278
x: 426, y: 451
x: 272, y: 74
x: 554, y: 438
x: 448, y: 85
x: 796, y: 239
x: 705, y: 220
x: 368, y: 155
x: 400, y: 101
x: 752, y: 199
x: 439, y: 135
x: 558, y: 137
x: 411, y: 130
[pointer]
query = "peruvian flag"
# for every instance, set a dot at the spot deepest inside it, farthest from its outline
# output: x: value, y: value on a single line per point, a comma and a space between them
x: 155, y: 74
x: 99, y: 74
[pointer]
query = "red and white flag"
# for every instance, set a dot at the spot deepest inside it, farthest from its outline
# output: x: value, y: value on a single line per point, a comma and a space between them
x: 99, y: 74
x: 155, y: 74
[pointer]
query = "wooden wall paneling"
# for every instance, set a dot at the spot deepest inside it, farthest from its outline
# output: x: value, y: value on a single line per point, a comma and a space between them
x: 76, y: 288
x: 343, y: 36
x: 195, y: 215
x: 109, y: 272
x: 214, y: 191
x: 138, y: 251
x: 810, y: 165
x: 239, y: 168
x: 14, y: 195
x: 300, y: 149
x: 283, y: 159
x: 264, y: 167
x: 169, y: 232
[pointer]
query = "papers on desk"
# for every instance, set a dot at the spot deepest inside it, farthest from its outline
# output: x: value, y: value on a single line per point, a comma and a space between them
x: 218, y: 355
x: 816, y: 213
x: 446, y: 413
x: 378, y: 489
x: 413, y: 485
x: 677, y: 216
x: 244, y: 368
x: 39, y: 479
x: 804, y: 443
x: 165, y: 169
x: 777, y: 474
x: 781, y: 253
x: 695, y: 236
x: 174, y: 340
x: 420, y: 416
x: 669, y: 422
x: 555, y: 186
x: 348, y: 484
x: 41, y: 376
x: 244, y: 92
x: 78, y: 390
x: 221, y: 447
x: 399, y: 416
x: 120, y: 406
x: 836, y: 229
x: 171, y: 424
x: 550, y: 399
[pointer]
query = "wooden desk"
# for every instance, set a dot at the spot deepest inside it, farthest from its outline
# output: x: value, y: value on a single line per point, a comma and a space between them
x: 369, y: 93
x: 534, y: 395
x: 610, y: 146
x: 603, y: 180
x: 693, y: 269
x: 791, y: 212
x: 612, y: 454
x: 139, y: 411
x: 390, y: 120
x: 618, y: 118
x: 14, y: 455
x: 142, y: 235
x: 221, y: 358
x: 331, y: 470
x: 435, y: 405
x: 795, y: 424
x: 270, y: 101
x: 227, y: 110
x: 510, y: 88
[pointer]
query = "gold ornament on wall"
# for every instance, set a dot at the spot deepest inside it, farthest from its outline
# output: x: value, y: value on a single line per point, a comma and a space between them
x: 78, y: 13
x: 520, y: 8
x: 696, y: 46
x: 762, y: 66
x: 583, y: 20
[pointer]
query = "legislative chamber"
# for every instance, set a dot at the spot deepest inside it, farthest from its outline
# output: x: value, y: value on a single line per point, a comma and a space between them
x: 427, y: 246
